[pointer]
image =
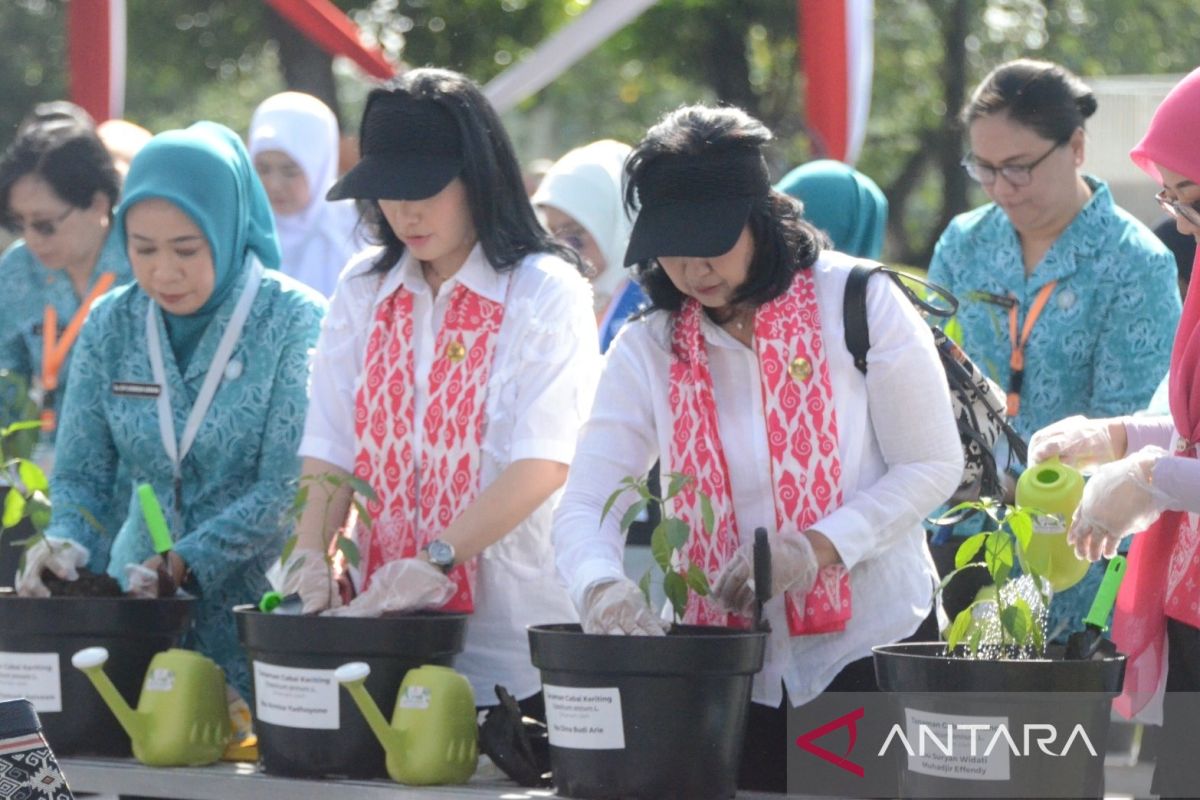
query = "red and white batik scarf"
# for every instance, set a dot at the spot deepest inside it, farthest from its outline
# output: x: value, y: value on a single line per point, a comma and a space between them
x: 415, y: 504
x: 801, y: 434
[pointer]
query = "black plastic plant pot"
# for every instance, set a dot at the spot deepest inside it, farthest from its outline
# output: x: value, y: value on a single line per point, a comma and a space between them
x: 307, y: 726
x: 38, y: 636
x: 11, y: 548
x: 1000, y: 727
x: 651, y: 717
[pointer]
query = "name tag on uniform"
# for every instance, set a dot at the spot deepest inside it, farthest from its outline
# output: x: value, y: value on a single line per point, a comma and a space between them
x: 128, y: 389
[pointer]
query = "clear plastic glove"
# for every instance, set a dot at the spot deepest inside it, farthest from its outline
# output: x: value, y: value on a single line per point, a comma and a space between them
x: 307, y: 574
x: 1078, y: 442
x: 1117, y: 500
x: 63, y: 557
x: 618, y: 607
x: 794, y: 566
x: 141, y: 581
x: 401, y: 585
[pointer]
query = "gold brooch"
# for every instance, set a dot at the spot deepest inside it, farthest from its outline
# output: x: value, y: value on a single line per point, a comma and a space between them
x: 800, y: 369
x: 456, y: 352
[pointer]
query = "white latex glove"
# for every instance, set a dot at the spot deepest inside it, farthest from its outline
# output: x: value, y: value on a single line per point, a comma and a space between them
x: 793, y: 566
x: 1117, y: 500
x: 307, y: 574
x: 401, y: 585
x: 63, y: 557
x: 1077, y: 441
x: 618, y: 607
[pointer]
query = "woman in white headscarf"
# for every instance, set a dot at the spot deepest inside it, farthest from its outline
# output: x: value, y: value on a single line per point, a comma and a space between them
x: 294, y: 144
x: 581, y: 200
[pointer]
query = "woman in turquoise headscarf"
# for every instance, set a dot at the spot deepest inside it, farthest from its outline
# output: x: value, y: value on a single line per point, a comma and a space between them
x: 841, y: 201
x: 169, y: 383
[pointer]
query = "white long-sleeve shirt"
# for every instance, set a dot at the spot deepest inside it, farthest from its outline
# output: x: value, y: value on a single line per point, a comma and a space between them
x: 897, y: 442
x: 1176, y: 477
x: 539, y: 389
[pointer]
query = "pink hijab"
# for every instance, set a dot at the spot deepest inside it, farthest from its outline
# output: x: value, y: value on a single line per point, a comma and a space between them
x: 1172, y: 141
x: 1139, y: 625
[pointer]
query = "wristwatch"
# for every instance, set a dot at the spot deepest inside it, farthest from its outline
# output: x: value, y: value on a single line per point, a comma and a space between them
x: 441, y: 554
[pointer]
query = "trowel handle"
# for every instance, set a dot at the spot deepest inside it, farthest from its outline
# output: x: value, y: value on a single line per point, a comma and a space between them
x: 762, y: 574
x: 1106, y: 596
x: 156, y: 523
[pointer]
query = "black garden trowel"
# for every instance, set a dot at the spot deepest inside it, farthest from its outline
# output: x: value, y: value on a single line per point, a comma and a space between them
x: 762, y: 577
x: 1090, y: 643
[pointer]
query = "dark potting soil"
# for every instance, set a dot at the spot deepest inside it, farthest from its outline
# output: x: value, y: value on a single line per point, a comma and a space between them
x: 89, y: 584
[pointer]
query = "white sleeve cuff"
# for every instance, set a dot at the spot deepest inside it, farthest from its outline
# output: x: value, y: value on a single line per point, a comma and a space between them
x: 333, y: 452
x: 544, y: 449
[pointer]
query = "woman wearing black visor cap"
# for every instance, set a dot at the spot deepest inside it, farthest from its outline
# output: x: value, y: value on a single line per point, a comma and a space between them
x: 739, y: 377
x: 453, y: 371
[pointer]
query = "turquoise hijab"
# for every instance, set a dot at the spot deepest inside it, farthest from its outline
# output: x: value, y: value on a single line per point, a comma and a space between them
x: 206, y: 173
x: 843, y: 202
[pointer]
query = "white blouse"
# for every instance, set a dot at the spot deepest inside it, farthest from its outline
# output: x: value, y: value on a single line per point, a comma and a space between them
x: 897, y: 441
x: 540, y: 389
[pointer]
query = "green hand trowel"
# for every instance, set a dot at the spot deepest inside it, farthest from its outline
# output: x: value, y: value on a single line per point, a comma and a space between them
x: 1090, y: 643
x: 160, y: 535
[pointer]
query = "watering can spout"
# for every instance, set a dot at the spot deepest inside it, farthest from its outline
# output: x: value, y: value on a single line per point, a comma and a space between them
x: 353, y: 676
x: 91, y: 662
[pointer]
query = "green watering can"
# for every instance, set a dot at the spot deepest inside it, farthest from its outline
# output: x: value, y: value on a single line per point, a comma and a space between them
x: 432, y: 738
x: 1054, y: 489
x: 182, y: 717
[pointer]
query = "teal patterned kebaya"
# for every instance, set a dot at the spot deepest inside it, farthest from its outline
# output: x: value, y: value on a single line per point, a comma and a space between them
x: 1100, y: 346
x: 237, y: 479
x: 1103, y: 341
x: 29, y: 286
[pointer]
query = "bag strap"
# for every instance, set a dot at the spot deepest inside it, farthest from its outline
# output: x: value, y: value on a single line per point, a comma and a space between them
x: 854, y: 306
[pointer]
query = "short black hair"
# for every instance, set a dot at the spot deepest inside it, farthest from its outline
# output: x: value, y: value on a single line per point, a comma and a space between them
x: 1040, y: 95
x: 504, y: 220
x: 65, y: 154
x: 784, y: 243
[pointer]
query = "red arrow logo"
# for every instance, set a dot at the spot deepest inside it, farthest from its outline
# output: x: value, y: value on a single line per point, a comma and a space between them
x: 807, y: 741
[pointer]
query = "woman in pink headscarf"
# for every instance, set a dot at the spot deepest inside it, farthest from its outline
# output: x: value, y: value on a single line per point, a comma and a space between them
x: 1151, y: 483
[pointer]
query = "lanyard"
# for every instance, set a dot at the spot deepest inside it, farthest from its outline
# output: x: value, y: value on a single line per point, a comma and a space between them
x: 1016, y: 362
x: 177, y: 451
x: 54, y: 350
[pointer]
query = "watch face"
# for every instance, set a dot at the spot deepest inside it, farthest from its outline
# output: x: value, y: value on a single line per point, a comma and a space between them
x: 441, y: 553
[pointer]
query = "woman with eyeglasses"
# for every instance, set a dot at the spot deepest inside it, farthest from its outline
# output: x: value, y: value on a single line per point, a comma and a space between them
x: 58, y: 187
x: 1149, y: 481
x: 1066, y: 300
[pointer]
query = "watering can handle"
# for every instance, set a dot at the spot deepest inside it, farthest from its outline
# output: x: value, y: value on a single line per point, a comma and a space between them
x: 1106, y: 596
x: 156, y: 523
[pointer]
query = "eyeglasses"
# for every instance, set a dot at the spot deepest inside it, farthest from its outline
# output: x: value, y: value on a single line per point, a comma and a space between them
x: 46, y: 228
x: 1189, y: 211
x: 1015, y: 174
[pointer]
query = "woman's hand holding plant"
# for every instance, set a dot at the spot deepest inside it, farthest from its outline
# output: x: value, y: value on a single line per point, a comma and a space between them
x: 619, y: 607
x: 308, y: 574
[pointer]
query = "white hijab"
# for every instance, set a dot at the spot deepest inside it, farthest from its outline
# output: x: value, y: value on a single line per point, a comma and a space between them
x: 318, y: 241
x: 586, y: 185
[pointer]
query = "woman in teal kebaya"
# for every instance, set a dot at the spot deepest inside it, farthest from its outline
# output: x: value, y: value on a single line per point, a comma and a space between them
x: 200, y: 237
x: 1052, y: 273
